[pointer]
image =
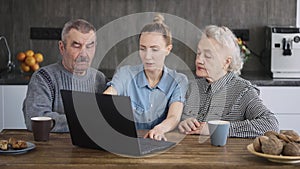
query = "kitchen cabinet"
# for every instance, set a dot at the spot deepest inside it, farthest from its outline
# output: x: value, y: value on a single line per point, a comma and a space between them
x: 284, y: 102
x: 12, y: 97
x: 1, y: 109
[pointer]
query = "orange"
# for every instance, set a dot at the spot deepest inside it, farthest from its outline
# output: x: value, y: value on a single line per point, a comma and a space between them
x: 29, y: 53
x: 25, y: 68
x: 38, y: 57
x: 30, y: 60
x: 21, y: 56
x: 35, y: 67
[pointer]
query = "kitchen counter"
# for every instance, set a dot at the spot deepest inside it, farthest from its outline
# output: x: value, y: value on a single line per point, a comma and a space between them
x: 263, y: 79
x: 14, y: 78
x: 256, y: 78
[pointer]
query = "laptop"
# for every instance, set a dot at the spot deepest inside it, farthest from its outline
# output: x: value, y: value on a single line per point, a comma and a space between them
x: 106, y: 122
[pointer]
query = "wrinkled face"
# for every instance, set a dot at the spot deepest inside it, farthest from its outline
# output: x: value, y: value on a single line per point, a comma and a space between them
x: 212, y: 59
x: 153, y: 50
x: 78, y: 51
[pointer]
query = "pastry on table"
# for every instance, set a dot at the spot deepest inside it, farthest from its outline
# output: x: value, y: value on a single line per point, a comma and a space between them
x: 3, y: 145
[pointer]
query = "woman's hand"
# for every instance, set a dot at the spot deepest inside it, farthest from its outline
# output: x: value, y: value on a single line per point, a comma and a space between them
x: 156, y: 134
x: 189, y: 125
x: 171, y: 122
x: 110, y: 91
x: 192, y: 126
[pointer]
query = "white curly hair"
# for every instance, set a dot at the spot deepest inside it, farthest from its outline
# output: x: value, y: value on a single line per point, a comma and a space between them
x: 225, y: 37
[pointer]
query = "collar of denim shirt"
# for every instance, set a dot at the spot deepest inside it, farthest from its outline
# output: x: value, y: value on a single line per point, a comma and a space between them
x: 163, y: 84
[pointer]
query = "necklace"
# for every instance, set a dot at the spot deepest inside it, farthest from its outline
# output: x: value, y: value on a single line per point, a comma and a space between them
x: 153, y: 83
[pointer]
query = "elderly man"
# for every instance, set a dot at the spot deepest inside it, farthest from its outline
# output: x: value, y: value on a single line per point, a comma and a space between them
x: 72, y: 72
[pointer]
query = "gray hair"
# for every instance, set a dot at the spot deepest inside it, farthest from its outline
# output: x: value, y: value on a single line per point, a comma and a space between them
x: 225, y: 37
x: 80, y: 25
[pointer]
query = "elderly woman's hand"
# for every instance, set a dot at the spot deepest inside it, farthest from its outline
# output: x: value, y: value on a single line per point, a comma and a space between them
x: 192, y: 126
x: 188, y: 125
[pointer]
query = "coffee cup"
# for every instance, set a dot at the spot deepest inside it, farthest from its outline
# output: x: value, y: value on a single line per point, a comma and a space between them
x: 41, y: 127
x: 218, y: 130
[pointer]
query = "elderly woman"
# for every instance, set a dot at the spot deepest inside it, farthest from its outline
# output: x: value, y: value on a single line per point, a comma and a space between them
x: 219, y: 93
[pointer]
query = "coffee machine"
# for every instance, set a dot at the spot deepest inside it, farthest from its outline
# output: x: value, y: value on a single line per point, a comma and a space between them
x: 282, y: 58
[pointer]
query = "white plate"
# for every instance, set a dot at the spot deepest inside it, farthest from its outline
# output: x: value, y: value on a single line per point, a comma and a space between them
x: 275, y: 158
x: 30, y: 146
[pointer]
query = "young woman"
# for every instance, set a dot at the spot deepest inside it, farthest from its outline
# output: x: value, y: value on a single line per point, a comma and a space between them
x: 157, y: 93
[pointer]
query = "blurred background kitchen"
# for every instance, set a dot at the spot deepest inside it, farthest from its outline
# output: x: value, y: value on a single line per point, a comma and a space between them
x: 19, y: 18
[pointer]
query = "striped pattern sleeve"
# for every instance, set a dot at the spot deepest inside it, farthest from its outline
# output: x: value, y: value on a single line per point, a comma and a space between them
x: 257, y: 118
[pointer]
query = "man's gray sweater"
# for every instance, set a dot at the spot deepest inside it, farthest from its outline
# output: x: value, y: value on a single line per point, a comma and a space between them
x: 43, y: 94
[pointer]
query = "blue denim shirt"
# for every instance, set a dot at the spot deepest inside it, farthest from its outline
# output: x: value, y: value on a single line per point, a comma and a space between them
x: 150, y: 105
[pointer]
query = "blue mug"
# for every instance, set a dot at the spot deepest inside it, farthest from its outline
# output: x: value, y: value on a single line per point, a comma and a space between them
x: 218, y: 130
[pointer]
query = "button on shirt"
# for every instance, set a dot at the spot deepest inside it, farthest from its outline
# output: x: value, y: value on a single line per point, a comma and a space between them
x: 150, y: 105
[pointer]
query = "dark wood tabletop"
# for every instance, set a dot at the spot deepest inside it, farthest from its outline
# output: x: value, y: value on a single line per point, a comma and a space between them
x: 59, y: 152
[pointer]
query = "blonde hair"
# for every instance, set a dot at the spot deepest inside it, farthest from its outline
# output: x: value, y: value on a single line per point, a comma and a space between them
x: 159, y: 26
x: 226, y: 38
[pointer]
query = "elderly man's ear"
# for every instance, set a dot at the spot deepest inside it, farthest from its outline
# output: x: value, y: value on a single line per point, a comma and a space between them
x: 61, y: 47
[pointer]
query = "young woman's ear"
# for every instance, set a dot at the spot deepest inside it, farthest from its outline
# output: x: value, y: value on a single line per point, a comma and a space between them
x: 169, y: 48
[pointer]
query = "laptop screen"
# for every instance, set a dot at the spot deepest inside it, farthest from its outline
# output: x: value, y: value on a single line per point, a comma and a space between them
x: 101, y: 121
x: 106, y: 122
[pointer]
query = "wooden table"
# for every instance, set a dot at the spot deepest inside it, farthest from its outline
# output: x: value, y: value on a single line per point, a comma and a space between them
x: 189, y: 153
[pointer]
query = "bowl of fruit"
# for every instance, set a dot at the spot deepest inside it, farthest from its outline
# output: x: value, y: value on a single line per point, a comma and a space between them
x: 30, y: 61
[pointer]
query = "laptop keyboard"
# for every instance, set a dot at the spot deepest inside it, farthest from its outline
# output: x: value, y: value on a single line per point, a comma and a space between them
x: 148, y: 145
